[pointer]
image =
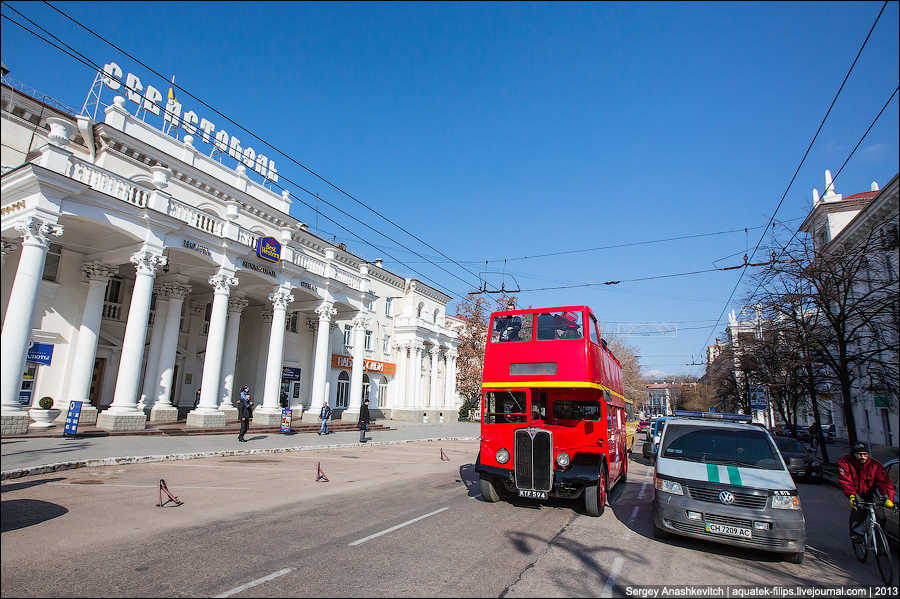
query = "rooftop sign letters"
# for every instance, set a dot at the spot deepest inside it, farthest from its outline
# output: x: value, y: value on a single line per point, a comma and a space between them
x: 149, y: 99
x: 268, y: 248
x: 342, y: 361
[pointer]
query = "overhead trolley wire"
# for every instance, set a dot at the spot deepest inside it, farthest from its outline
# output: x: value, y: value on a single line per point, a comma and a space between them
x: 276, y: 149
x: 94, y: 66
x: 797, y: 170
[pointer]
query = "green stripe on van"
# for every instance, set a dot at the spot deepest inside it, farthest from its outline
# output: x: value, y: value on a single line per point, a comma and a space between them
x: 734, y: 476
x: 712, y: 473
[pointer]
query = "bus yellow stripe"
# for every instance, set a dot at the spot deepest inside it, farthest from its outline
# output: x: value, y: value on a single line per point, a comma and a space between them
x: 582, y: 384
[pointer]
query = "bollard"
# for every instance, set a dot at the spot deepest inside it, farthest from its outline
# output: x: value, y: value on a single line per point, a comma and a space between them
x: 171, y: 498
x: 320, y: 474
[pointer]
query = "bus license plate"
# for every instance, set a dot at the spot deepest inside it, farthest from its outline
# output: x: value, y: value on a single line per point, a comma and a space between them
x: 732, y: 531
x: 532, y: 494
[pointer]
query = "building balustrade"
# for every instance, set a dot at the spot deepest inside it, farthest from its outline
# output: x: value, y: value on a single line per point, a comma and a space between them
x: 106, y: 182
x: 196, y: 218
x: 112, y: 311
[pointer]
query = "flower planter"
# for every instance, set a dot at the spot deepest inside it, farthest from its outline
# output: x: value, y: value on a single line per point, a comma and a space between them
x: 43, y: 418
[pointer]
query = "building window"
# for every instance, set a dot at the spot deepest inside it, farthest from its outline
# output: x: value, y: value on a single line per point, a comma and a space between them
x: 343, y: 390
x: 290, y: 323
x: 370, y: 301
x: 387, y: 306
x: 366, y: 387
x: 348, y: 334
x: 368, y: 344
x: 382, y: 392
x: 51, y: 263
x: 386, y: 348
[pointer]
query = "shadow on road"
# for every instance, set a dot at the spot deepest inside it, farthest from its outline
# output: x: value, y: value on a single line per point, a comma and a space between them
x: 22, y: 513
x: 64, y: 449
x: 19, y: 486
x: 469, y: 477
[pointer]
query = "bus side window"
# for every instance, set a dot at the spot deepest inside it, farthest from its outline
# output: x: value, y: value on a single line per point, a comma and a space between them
x: 609, y: 420
x: 538, y: 405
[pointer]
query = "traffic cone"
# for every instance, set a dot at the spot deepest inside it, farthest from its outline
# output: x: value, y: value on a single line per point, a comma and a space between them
x: 320, y: 475
x: 444, y: 456
x: 171, y: 498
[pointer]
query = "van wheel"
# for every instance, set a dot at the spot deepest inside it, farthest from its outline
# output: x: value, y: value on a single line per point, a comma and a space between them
x: 795, y: 558
x: 488, y: 490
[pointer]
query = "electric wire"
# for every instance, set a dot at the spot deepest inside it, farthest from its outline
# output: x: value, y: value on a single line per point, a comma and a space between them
x: 797, y: 170
x: 276, y: 149
x: 93, y: 66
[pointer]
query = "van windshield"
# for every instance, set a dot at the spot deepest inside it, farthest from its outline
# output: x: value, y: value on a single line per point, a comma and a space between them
x: 725, y: 446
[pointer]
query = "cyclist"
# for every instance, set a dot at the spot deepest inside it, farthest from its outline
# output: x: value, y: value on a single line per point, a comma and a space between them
x: 860, y: 476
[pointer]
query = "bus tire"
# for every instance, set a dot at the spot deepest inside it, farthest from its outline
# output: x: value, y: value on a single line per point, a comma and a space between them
x: 795, y: 558
x: 624, y: 476
x: 488, y: 490
x: 595, y: 496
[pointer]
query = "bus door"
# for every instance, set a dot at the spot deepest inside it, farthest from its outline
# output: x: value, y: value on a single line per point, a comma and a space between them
x: 613, y: 442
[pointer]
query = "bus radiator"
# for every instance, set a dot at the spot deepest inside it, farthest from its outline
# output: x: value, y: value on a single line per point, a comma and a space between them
x: 534, y: 459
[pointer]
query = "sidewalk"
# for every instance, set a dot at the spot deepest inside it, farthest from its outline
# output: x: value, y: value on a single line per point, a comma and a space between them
x: 27, y: 455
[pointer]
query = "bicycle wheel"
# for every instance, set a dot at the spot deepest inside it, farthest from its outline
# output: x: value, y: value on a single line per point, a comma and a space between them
x: 883, y: 556
x: 860, y: 549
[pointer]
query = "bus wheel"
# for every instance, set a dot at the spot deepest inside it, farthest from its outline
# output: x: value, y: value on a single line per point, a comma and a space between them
x: 595, y: 496
x: 488, y: 490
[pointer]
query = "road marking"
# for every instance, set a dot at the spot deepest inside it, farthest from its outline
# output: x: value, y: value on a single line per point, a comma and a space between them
x: 146, y: 486
x: 611, y: 579
x: 393, y: 528
x: 253, y: 583
x: 633, y: 513
x: 643, y: 490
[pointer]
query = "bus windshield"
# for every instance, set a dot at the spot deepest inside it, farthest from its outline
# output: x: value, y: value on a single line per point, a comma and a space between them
x: 559, y: 325
x: 725, y: 446
x: 503, y: 407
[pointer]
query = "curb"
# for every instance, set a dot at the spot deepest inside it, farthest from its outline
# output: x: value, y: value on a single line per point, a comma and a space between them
x: 60, y: 466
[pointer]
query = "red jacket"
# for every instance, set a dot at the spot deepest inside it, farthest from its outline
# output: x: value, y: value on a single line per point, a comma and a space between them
x: 856, y: 479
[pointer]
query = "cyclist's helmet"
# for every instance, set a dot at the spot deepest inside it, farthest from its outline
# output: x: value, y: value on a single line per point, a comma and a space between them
x: 860, y: 448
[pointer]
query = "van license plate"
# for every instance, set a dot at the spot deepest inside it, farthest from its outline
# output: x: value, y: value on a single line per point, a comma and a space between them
x: 732, y: 531
x: 532, y: 494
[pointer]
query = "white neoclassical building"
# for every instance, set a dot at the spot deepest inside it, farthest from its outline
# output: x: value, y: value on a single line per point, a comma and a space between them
x: 138, y: 270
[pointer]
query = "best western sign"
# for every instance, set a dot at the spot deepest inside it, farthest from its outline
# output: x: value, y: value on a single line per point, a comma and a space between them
x: 346, y: 362
x: 268, y: 248
x: 150, y: 99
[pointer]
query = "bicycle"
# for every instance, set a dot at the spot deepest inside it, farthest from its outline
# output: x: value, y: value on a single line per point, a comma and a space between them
x: 875, y: 540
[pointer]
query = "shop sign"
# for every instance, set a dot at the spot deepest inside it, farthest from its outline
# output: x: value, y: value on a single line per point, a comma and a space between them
x: 346, y: 362
x: 193, y: 245
x: 25, y: 398
x: 290, y: 374
x: 268, y: 248
x: 149, y: 99
x: 72, y: 418
x: 40, y: 353
x: 758, y: 398
x: 286, y: 418
x: 258, y: 268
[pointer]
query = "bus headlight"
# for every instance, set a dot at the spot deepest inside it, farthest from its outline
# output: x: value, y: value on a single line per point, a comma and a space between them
x: 786, y: 502
x: 669, y: 486
x: 502, y: 456
x: 562, y: 460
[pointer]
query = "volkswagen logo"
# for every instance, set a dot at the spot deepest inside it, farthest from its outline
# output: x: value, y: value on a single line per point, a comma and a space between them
x: 726, y: 497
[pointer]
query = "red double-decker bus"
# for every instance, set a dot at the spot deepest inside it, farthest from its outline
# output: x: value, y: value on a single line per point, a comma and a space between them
x: 552, y: 412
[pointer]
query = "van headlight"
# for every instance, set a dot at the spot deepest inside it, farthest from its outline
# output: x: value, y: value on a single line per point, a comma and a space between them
x: 785, y: 502
x: 669, y: 486
x: 502, y: 456
x: 562, y: 460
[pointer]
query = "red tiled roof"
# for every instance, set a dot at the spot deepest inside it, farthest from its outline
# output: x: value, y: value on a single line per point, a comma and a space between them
x: 862, y: 195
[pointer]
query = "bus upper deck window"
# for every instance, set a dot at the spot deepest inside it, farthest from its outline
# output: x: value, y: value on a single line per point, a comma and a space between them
x: 515, y: 327
x: 559, y: 325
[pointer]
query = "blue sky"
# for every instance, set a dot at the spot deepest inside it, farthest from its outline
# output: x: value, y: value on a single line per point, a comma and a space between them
x: 499, y: 131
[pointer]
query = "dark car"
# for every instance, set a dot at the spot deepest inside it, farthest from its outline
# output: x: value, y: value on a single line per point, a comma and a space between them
x: 801, y: 462
x: 888, y: 516
x: 642, y: 426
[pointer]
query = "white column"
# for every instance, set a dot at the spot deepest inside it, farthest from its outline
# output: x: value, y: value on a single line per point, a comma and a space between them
x: 207, y: 411
x: 82, y: 372
x: 163, y: 410
x: 123, y: 413
x: 325, y: 312
x: 434, y: 396
x: 151, y: 372
x: 17, y: 325
x: 270, y: 411
x: 415, y: 392
x: 236, y: 305
x: 450, y: 381
x: 399, y: 399
x: 356, y: 373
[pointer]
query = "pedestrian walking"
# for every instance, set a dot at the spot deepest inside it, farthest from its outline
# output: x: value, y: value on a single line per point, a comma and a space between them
x: 324, y: 414
x: 363, y: 424
x: 197, y: 398
x: 245, y: 412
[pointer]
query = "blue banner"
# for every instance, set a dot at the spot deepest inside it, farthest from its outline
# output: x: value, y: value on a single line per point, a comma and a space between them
x: 25, y: 398
x: 40, y: 353
x: 286, y: 421
x: 72, y: 417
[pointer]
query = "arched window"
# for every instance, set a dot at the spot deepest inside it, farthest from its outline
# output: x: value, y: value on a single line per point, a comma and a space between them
x: 343, y: 390
x: 365, y: 394
x: 419, y: 309
x: 382, y: 391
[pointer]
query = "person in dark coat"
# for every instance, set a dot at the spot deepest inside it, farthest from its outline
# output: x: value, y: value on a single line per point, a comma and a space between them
x: 245, y: 412
x: 363, y: 424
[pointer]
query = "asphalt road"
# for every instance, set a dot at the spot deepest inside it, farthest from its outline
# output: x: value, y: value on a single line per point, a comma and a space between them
x: 393, y: 520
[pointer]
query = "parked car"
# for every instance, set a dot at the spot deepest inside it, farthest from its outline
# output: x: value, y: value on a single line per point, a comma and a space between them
x: 888, y: 516
x: 829, y: 432
x: 643, y: 426
x: 801, y: 462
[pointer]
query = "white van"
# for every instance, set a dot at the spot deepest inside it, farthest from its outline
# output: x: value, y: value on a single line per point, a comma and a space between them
x: 721, y: 479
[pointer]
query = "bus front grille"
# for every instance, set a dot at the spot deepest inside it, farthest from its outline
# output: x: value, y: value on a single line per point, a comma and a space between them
x: 534, y: 459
